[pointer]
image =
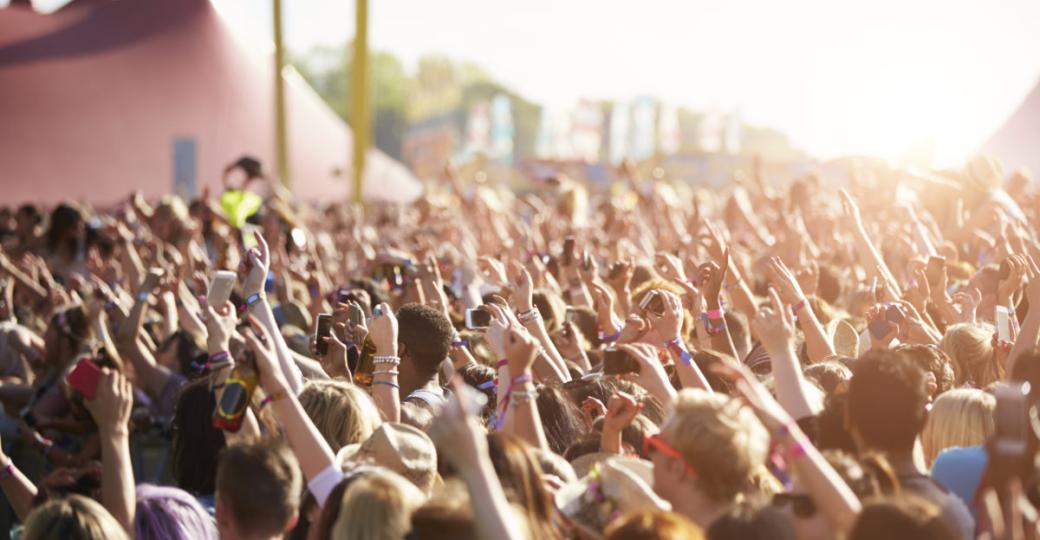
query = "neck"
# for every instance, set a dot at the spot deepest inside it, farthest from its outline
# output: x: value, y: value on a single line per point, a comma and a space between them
x: 698, y: 508
x: 903, y: 462
x: 411, y: 382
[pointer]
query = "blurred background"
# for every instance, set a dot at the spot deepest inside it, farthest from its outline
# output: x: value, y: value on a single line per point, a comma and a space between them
x: 697, y: 87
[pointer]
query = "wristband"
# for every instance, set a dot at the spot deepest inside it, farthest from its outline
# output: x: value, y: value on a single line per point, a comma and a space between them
x: 7, y: 471
x: 488, y: 385
x: 676, y: 346
x: 142, y: 296
x: 503, y: 363
x: 459, y: 344
x: 388, y: 383
x: 393, y: 372
x: 254, y: 298
x: 611, y: 338
x: 314, y: 292
x: 795, y: 451
x: 714, y: 314
x: 272, y: 397
x: 521, y: 379
x: 713, y: 330
x: 798, y: 307
x: 385, y: 359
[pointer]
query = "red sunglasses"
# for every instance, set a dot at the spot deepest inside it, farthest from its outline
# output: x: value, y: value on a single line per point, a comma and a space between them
x: 655, y: 443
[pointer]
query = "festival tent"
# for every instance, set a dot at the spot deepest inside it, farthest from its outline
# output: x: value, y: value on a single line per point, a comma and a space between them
x: 1017, y: 142
x: 104, y: 97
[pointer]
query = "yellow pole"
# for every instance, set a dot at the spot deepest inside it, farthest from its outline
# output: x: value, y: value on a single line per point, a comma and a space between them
x: 281, y: 155
x: 360, y: 115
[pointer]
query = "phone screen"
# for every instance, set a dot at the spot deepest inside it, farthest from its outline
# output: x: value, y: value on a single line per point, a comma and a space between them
x: 220, y: 288
x: 477, y: 319
x: 652, y: 302
x: 324, y: 329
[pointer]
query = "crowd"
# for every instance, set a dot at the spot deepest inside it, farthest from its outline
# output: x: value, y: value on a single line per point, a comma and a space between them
x: 649, y: 361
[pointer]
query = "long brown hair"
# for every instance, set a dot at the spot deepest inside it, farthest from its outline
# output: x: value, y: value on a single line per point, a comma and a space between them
x: 521, y: 476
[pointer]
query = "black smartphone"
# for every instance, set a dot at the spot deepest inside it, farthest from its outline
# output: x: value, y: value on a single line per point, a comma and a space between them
x: 616, y: 362
x: 568, y: 251
x: 324, y: 330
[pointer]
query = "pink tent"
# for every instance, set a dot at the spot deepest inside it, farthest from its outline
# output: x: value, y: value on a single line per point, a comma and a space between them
x: 1017, y: 142
x: 101, y: 98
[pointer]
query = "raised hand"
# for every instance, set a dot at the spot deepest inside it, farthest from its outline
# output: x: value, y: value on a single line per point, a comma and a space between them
x: 710, y: 279
x: 523, y: 287
x: 622, y: 410
x: 521, y: 350
x: 784, y: 283
x: 383, y: 331
x: 334, y: 362
x: 774, y: 326
x: 651, y: 374
x: 255, y: 266
x: 668, y: 325
x: 259, y: 342
x: 493, y: 270
x: 220, y: 326
x: 112, y: 403
x: 670, y: 267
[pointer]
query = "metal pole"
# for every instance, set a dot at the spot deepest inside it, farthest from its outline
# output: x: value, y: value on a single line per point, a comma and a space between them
x: 280, y: 139
x: 360, y: 114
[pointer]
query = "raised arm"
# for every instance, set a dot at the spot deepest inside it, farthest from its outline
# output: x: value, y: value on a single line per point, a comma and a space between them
x: 669, y: 326
x: 386, y: 392
x: 776, y: 330
x: 817, y: 344
x: 257, y: 264
x: 19, y: 490
x: 111, y: 408
x: 310, y: 447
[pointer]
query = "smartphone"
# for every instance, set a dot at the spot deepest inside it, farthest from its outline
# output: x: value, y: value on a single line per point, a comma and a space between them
x: 324, y: 330
x: 249, y: 235
x: 478, y: 319
x: 934, y: 269
x: 220, y: 288
x: 652, y: 302
x: 568, y: 251
x: 616, y: 362
x: 894, y: 314
x: 1012, y: 420
x: 1003, y: 318
x: 84, y: 378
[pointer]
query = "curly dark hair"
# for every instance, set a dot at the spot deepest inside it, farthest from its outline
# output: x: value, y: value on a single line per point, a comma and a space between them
x: 887, y: 399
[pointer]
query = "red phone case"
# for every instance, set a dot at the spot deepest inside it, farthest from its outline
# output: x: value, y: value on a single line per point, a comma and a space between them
x: 84, y: 377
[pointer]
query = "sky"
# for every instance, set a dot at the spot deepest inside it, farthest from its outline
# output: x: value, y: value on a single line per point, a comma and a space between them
x: 839, y: 77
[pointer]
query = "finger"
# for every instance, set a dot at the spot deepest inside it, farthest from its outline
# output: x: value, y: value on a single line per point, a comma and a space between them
x: 775, y: 297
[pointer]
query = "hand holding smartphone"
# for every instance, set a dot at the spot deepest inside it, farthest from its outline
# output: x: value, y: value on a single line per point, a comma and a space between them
x: 478, y: 319
x: 84, y: 378
x: 617, y: 362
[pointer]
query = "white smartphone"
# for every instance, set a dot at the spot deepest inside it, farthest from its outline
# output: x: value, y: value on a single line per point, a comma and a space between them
x: 1003, y: 319
x: 220, y: 288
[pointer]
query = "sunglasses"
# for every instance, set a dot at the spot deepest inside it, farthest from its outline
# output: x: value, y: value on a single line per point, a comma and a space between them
x: 654, y: 443
x: 802, y: 505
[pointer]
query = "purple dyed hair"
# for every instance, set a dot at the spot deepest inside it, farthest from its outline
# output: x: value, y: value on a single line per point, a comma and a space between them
x: 169, y: 513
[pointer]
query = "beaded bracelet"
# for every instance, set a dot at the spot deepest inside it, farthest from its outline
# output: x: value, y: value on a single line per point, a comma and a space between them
x: 520, y: 397
x: 529, y: 316
x: 386, y: 359
x: 254, y: 298
x: 611, y: 338
x: 393, y: 372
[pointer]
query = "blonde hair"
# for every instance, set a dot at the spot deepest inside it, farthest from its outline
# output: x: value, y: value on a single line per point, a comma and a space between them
x: 342, y: 412
x: 75, y: 518
x: 960, y: 417
x: 970, y: 348
x: 721, y: 439
x: 377, y: 506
